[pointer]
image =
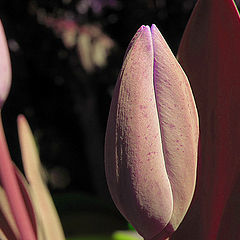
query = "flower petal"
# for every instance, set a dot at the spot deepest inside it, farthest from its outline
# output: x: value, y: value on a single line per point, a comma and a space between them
x: 5, y: 67
x: 6, y: 210
x: 178, y: 121
x: 152, y: 138
x: 11, y: 186
x: 210, y: 54
x: 134, y: 161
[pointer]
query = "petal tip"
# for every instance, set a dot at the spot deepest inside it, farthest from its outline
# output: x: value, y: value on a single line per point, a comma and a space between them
x: 5, y: 67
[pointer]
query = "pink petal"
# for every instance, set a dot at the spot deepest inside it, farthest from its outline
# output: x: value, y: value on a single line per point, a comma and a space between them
x: 178, y: 123
x: 26, y: 192
x: 6, y: 210
x: 135, y: 166
x: 149, y: 121
x: 10, y: 184
x: 5, y: 67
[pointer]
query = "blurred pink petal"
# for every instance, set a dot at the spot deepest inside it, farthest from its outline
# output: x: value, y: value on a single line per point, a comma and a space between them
x: 10, y: 184
x: 5, y: 67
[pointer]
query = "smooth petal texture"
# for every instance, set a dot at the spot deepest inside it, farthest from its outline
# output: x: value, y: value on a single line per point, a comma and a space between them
x: 9, y: 182
x: 210, y: 55
x: 42, y: 200
x: 178, y: 124
x: 151, y: 110
x: 5, y: 67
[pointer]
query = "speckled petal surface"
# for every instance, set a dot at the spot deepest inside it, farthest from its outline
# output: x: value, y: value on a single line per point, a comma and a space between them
x: 178, y: 123
x: 141, y: 166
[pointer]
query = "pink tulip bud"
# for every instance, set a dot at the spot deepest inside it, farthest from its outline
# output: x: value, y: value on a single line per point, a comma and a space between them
x: 5, y: 68
x: 152, y: 138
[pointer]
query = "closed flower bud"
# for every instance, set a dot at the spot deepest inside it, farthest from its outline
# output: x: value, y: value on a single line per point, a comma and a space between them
x: 152, y: 138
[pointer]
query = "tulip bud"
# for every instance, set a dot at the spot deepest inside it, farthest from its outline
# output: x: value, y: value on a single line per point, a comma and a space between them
x: 152, y: 138
x: 5, y: 68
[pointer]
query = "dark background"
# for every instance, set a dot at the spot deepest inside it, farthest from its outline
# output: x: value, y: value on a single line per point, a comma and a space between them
x: 64, y: 97
x: 65, y: 103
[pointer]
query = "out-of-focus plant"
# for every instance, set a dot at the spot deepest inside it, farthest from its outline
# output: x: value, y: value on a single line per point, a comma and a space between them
x: 26, y: 208
x: 152, y: 132
x: 95, y: 5
x: 93, y: 46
